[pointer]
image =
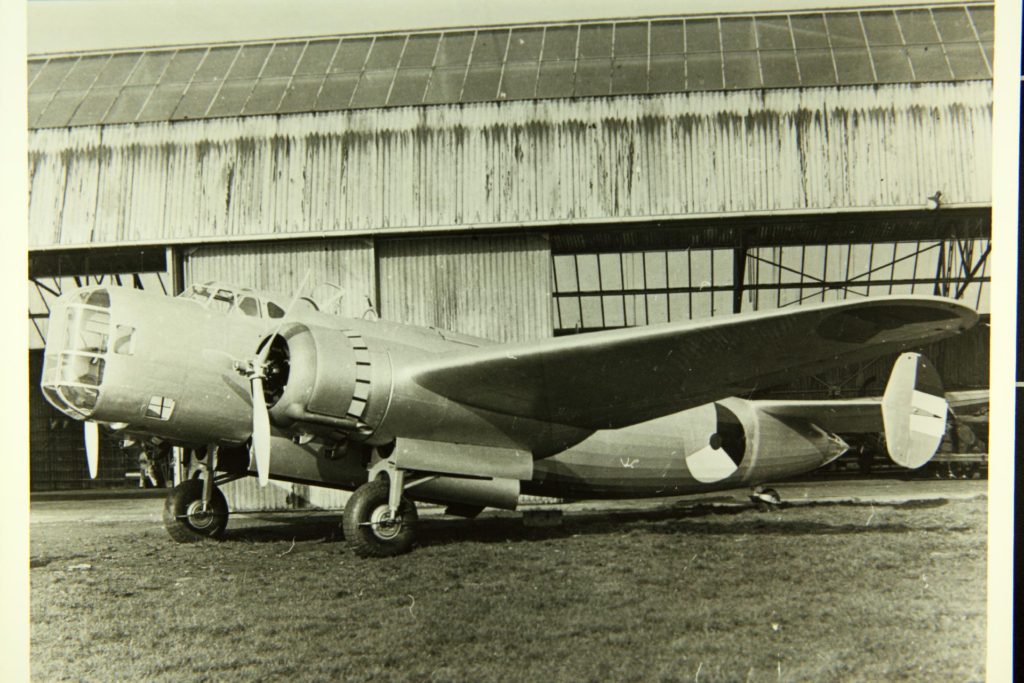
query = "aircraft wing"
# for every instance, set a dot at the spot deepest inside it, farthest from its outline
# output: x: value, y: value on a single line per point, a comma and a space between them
x: 615, y: 378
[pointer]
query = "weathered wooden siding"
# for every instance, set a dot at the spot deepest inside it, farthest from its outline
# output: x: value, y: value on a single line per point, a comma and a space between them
x: 281, y: 267
x: 493, y: 286
x: 516, y: 162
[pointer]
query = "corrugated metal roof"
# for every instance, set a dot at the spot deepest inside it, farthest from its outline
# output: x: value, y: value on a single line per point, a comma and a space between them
x: 669, y: 54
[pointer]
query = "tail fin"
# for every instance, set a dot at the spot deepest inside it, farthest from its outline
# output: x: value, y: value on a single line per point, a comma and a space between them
x: 913, y: 411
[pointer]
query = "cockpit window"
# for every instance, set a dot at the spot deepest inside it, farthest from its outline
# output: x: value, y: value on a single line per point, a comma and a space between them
x: 222, y: 301
x: 249, y: 307
x: 274, y: 311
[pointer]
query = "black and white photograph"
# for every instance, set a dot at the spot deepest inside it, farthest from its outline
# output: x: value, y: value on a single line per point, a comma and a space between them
x: 515, y: 341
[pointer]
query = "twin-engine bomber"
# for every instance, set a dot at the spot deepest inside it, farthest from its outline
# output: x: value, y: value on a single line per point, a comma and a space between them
x: 248, y: 385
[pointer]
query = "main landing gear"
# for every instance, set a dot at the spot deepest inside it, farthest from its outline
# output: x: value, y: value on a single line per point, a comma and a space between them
x: 196, y: 508
x: 378, y: 521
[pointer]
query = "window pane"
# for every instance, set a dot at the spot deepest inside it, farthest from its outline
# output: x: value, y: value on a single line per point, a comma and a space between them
x: 231, y: 98
x: 336, y: 92
x: 881, y: 28
x: 595, y: 42
x: 196, y: 100
x: 738, y: 34
x: 454, y: 49
x: 52, y: 75
x: 525, y: 44
x: 593, y: 77
x: 420, y: 49
x: 282, y: 60
x: 385, y: 52
x: 809, y: 31
x: 266, y: 96
x: 128, y: 104
x: 85, y: 72
x: 779, y: 68
x: 216, y: 64
x: 249, y: 63
x: 742, y: 70
x: 702, y: 35
x: 519, y: 80
x: 560, y: 43
x: 410, y: 84
x: 703, y: 71
x: 317, y: 58
x: 36, y: 106
x: 917, y: 26
x: 816, y: 67
x: 445, y: 85
x: 94, y: 106
x: 60, y: 109
x: 967, y: 61
x: 929, y: 63
x: 666, y: 37
x: 117, y: 69
x: 150, y: 67
x: 301, y: 94
x: 853, y: 65
x: 489, y: 47
x: 845, y: 30
x: 351, y: 55
x: 629, y: 75
x: 34, y: 67
x: 667, y: 74
x: 953, y: 24
x: 773, y: 34
x: 630, y: 40
x: 182, y: 66
x: 162, y: 103
x: 983, y: 23
x: 891, y: 64
x: 556, y: 79
x: 372, y: 90
x: 481, y: 82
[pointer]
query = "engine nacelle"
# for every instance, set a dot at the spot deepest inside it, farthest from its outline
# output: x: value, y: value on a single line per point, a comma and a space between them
x: 327, y: 379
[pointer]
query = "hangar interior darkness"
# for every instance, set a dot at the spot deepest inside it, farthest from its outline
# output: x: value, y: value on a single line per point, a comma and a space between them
x: 518, y: 182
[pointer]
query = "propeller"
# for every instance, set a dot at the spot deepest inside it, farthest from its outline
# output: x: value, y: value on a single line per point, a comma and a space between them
x: 256, y: 371
x: 92, y: 447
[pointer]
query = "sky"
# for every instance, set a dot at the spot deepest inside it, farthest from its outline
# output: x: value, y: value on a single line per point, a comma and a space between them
x: 75, y: 25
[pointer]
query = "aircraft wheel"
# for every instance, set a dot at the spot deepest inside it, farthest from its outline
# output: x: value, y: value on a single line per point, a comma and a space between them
x: 365, y: 528
x: 184, y: 518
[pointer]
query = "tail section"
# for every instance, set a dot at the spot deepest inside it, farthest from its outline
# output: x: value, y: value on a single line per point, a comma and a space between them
x: 913, y: 411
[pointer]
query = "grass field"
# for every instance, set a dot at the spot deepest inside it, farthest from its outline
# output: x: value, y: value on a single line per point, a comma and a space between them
x: 826, y: 592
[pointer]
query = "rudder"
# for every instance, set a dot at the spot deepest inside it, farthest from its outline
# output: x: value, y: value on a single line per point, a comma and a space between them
x: 913, y: 411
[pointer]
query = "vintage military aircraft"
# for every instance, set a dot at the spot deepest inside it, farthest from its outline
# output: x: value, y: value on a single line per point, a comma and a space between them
x: 253, y: 385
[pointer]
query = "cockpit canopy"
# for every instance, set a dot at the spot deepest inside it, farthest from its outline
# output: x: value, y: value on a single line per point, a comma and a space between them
x: 235, y: 300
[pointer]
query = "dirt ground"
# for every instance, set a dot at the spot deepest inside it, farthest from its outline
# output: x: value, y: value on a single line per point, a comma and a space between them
x: 877, y: 580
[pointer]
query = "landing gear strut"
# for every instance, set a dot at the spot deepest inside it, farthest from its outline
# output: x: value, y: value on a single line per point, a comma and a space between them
x: 196, y: 509
x: 378, y: 521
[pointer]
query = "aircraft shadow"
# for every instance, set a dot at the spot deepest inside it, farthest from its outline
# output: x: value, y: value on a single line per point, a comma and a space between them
x: 682, y: 519
x: 693, y: 519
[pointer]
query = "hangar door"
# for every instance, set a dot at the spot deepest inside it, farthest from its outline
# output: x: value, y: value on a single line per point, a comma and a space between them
x: 493, y: 286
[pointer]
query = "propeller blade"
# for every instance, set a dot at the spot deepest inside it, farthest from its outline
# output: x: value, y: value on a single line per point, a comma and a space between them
x: 92, y: 447
x: 260, y: 431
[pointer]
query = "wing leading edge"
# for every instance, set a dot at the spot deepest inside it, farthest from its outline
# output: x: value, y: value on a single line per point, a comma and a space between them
x: 611, y: 379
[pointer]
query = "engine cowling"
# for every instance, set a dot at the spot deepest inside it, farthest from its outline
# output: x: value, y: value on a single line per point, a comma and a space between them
x: 326, y: 378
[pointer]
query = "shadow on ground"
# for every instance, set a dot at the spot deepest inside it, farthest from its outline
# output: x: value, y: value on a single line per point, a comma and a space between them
x: 702, y: 519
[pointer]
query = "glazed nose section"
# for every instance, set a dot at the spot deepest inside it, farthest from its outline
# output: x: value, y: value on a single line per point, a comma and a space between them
x: 79, y: 342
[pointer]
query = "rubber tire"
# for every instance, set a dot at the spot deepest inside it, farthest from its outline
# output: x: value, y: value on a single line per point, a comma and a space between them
x: 176, y: 505
x: 364, y: 540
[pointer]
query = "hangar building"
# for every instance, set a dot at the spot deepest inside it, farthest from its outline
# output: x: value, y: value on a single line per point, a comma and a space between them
x: 522, y: 181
